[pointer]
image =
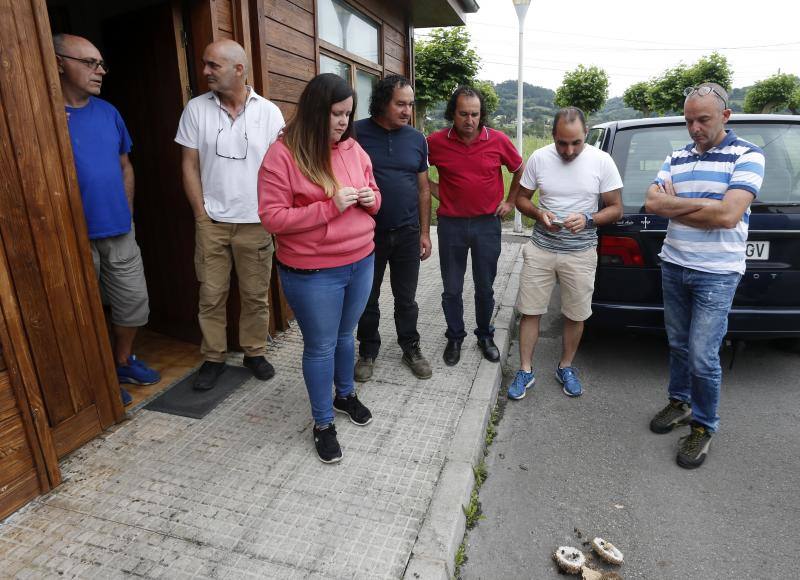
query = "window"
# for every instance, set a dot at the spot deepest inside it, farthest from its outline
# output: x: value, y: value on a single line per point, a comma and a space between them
x: 350, y: 48
x: 349, y: 30
x: 595, y: 137
x: 640, y: 153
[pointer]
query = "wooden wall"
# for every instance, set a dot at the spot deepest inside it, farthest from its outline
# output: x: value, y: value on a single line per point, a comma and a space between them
x: 224, y: 19
x: 290, y: 47
x: 19, y: 481
x: 54, y: 340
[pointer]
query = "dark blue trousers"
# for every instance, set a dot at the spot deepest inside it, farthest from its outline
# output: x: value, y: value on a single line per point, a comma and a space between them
x: 400, y: 250
x: 458, y: 237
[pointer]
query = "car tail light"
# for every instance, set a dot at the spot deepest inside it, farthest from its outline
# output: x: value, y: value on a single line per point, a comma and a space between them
x: 619, y: 251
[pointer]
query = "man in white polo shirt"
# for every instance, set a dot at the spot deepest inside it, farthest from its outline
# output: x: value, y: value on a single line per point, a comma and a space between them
x: 571, y: 179
x: 225, y: 134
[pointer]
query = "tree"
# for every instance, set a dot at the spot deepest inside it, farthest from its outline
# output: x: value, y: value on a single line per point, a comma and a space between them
x: 637, y: 96
x: 666, y: 91
x: 585, y: 88
x: 771, y: 94
x: 794, y: 101
x: 711, y: 69
x: 490, y: 98
x: 442, y: 62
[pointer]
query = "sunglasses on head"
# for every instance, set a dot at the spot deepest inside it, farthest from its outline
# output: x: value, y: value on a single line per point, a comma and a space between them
x: 703, y: 91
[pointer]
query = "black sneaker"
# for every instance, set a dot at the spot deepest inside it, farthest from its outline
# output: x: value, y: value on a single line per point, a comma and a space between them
x: 327, y: 444
x: 260, y: 366
x: 208, y: 374
x: 353, y: 408
x: 693, y: 448
x: 675, y: 414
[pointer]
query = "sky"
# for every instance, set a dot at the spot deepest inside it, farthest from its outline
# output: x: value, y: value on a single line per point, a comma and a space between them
x: 635, y: 41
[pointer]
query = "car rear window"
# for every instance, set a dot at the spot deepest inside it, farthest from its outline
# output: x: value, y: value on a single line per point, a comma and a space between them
x: 639, y: 153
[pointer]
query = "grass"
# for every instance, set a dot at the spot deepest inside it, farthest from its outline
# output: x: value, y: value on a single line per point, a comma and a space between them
x: 480, y: 473
x: 529, y: 145
x: 473, y: 511
x: 461, y: 559
x: 491, y: 428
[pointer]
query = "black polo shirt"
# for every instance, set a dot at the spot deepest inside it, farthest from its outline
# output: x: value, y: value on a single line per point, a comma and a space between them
x: 397, y: 157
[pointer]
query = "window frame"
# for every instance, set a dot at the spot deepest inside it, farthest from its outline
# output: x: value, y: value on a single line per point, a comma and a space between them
x: 340, y: 53
x: 354, y: 61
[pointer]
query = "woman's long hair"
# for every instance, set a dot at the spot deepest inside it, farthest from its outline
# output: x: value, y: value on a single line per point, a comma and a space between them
x: 307, y: 135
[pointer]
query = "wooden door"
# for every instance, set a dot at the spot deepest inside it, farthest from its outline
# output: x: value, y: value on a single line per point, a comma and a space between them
x: 149, y: 85
x: 54, y: 337
x: 23, y: 470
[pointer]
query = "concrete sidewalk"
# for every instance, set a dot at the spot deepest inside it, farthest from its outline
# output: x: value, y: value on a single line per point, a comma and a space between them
x: 241, y: 492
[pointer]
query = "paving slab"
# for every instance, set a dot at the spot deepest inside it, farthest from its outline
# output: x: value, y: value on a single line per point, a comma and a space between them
x: 241, y: 493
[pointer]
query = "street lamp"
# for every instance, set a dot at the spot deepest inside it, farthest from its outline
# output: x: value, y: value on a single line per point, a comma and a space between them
x: 521, y: 6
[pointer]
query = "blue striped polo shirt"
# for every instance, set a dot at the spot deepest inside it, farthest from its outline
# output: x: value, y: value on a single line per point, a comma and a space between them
x: 733, y: 164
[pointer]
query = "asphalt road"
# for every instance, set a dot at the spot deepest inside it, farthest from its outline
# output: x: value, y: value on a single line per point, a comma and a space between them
x: 562, y: 471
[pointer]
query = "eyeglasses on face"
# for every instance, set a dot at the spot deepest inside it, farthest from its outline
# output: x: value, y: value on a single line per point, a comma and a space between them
x: 703, y: 91
x: 92, y: 63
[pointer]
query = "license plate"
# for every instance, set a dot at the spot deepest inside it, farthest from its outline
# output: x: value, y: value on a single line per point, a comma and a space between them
x: 757, y: 251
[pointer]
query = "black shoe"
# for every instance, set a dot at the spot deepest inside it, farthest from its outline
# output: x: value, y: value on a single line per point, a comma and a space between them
x: 260, y: 366
x: 452, y: 352
x: 353, y: 408
x: 327, y: 444
x: 489, y: 349
x: 208, y: 374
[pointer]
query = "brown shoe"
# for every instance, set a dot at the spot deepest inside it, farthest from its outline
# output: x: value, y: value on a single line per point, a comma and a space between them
x: 418, y: 364
x: 364, y: 368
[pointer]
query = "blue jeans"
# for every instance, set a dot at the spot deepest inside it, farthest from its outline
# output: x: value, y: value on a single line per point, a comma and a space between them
x: 327, y: 305
x: 479, y: 236
x: 696, y: 306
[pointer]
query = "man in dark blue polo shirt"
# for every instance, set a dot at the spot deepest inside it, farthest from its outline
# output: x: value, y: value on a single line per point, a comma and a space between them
x: 399, y: 156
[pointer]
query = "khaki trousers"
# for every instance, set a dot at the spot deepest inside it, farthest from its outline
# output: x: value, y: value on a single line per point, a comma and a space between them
x: 249, y: 248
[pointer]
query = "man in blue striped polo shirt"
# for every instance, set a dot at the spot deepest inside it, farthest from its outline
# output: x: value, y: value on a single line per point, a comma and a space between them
x: 705, y: 189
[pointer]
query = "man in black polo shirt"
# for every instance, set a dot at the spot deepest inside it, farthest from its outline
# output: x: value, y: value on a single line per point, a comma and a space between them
x: 399, y: 156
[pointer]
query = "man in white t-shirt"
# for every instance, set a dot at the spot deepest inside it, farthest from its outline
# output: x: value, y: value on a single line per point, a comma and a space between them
x: 225, y: 134
x: 571, y: 179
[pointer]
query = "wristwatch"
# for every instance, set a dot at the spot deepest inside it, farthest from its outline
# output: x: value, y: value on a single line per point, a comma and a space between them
x: 589, y: 220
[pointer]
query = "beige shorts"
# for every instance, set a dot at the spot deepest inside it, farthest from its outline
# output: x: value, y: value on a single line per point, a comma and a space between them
x: 118, y: 264
x: 575, y: 274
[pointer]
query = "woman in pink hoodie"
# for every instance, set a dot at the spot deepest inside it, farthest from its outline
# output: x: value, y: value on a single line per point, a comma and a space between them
x: 317, y: 194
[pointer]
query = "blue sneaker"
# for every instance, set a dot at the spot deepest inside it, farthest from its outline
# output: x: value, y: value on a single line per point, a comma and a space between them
x: 521, y: 383
x: 126, y: 397
x: 569, y: 378
x: 137, y: 373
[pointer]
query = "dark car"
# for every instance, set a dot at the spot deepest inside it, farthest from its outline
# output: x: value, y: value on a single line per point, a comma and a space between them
x: 628, y: 284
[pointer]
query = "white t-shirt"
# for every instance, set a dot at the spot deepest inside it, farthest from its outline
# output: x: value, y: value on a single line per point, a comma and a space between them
x: 569, y: 187
x: 230, y: 151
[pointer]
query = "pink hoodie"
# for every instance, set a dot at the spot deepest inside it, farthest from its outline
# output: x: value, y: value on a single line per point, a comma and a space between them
x: 309, y: 229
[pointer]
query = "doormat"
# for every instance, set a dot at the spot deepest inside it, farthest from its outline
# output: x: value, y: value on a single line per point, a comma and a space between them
x: 181, y: 398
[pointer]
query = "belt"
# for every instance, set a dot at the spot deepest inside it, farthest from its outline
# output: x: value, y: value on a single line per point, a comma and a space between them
x: 297, y: 270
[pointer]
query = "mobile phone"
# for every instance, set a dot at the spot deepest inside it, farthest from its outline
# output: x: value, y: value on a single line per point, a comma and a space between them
x: 557, y: 221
